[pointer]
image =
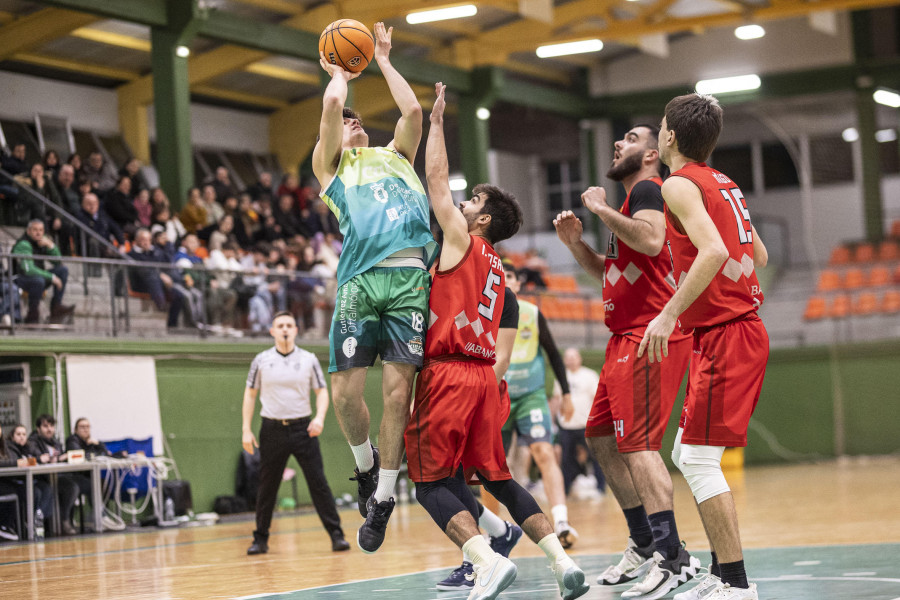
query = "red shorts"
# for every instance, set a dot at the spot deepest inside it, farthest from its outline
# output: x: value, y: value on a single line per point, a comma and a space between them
x: 724, y: 382
x: 457, y: 416
x: 635, y: 397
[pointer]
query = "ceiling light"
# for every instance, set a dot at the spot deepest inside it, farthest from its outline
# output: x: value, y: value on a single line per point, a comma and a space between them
x: 458, y: 184
x: 749, y: 32
x: 182, y: 51
x: 483, y: 113
x: 850, y: 134
x: 886, y: 135
x: 441, y: 14
x: 887, y: 97
x: 581, y: 47
x: 725, y: 85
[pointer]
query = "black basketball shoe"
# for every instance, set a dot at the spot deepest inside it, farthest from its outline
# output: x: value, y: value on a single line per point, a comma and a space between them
x: 371, y: 535
x: 366, y: 483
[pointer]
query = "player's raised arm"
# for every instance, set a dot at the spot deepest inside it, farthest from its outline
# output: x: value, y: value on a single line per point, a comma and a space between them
x: 437, y: 174
x: 408, y: 132
x: 331, y: 128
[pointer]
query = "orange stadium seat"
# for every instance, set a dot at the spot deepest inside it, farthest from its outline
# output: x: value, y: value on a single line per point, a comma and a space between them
x: 561, y: 283
x: 879, y: 276
x: 598, y: 313
x: 890, y: 304
x: 840, y: 307
x: 815, y: 308
x: 897, y: 274
x: 889, y: 250
x: 839, y: 256
x: 828, y: 281
x: 854, y: 279
x: 864, y: 253
x: 895, y: 228
x: 866, y: 304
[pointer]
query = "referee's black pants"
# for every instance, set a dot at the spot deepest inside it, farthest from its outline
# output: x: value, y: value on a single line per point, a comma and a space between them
x: 278, y: 440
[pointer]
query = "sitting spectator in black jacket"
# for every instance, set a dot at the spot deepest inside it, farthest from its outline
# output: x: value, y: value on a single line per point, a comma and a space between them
x: 96, y: 219
x: 223, y: 185
x: 48, y: 449
x: 262, y: 189
x: 119, y: 205
x: 288, y: 220
x: 82, y: 440
x: 132, y: 170
x: 33, y: 278
x: 18, y: 454
x: 159, y: 284
x: 15, y: 163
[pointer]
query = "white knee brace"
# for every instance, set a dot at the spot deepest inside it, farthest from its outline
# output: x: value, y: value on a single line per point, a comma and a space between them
x: 702, y: 468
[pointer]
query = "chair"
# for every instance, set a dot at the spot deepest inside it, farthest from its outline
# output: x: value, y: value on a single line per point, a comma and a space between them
x: 866, y: 304
x: 895, y: 228
x: 865, y: 253
x: 561, y: 283
x: 829, y: 281
x: 15, y: 500
x: 879, y: 276
x: 839, y: 256
x: 890, y: 304
x: 889, y: 250
x: 598, y: 312
x: 854, y: 279
x: 815, y: 308
x: 840, y: 307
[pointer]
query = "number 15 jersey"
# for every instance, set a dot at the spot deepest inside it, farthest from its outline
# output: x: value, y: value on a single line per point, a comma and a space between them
x: 466, y: 303
x: 734, y: 291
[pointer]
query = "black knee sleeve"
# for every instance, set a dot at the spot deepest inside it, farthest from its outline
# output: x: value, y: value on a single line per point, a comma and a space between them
x: 514, y: 497
x: 443, y: 500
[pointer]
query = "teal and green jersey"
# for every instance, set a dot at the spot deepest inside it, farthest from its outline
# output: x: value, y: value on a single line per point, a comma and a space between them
x: 381, y: 207
x: 526, y: 364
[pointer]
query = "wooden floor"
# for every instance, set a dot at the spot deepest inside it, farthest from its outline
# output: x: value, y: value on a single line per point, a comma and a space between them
x: 851, y: 502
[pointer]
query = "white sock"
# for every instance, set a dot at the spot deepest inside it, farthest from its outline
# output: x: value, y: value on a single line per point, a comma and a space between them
x: 466, y: 557
x: 552, y: 548
x: 560, y: 513
x: 365, y: 458
x: 387, y: 479
x: 494, y: 525
x: 478, y: 549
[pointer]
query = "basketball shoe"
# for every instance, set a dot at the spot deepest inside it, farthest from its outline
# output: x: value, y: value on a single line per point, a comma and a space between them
x: 664, y: 576
x: 366, y: 483
x: 492, y: 578
x: 460, y: 578
x: 707, y: 584
x: 726, y: 592
x: 635, y: 562
x: 566, y: 534
x: 569, y: 578
x: 503, y: 544
x: 371, y: 534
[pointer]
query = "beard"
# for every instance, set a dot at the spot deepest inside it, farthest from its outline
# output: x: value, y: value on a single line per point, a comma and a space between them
x: 628, y: 165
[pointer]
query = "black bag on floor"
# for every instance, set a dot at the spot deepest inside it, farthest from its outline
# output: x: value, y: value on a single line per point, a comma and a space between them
x: 179, y: 490
x: 228, y: 505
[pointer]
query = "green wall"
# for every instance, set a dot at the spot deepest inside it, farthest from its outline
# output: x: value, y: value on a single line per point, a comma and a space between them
x: 201, y: 387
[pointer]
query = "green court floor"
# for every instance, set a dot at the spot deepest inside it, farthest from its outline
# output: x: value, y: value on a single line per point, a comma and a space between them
x: 865, y: 572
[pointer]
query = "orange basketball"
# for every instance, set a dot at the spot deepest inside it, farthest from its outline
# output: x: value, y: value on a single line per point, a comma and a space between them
x: 347, y: 43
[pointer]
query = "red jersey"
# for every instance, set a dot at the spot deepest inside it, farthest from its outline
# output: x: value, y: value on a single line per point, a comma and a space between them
x: 465, y: 305
x: 734, y: 291
x: 636, y: 286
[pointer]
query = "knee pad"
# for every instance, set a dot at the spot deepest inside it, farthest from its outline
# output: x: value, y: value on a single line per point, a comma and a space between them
x: 702, y: 468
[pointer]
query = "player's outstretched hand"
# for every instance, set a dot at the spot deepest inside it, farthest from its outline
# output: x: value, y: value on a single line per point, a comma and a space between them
x: 656, y: 338
x: 382, y: 41
x: 568, y: 227
x: 594, y: 199
x: 333, y: 70
x: 440, y: 103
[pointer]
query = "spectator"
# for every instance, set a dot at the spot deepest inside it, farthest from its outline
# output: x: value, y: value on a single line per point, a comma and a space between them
x: 193, y: 282
x: 223, y: 186
x: 51, y: 164
x: 322, y: 220
x: 19, y: 450
x: 262, y: 189
x: 82, y: 440
x: 162, y: 218
x: 193, y: 215
x: 222, y: 299
x: 214, y: 210
x: 308, y: 287
x: 246, y: 222
x: 132, y: 170
x: 231, y: 206
x: 143, y: 207
x: 48, y: 449
x: 268, y: 231
x: 67, y: 189
x: 158, y: 284
x: 120, y: 206
x: 32, y: 278
x: 15, y: 163
x: 77, y: 164
x: 266, y: 291
x: 158, y: 197
x: 288, y: 221
x: 99, y: 173
x: 290, y: 185
x: 28, y: 206
x: 100, y: 223
x: 533, y: 270
x: 218, y: 233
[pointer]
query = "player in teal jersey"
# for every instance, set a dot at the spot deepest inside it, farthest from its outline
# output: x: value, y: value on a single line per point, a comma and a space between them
x: 382, y: 300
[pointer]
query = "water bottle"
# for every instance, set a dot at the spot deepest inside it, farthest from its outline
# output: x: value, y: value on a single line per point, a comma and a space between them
x: 38, y: 525
x: 169, y: 511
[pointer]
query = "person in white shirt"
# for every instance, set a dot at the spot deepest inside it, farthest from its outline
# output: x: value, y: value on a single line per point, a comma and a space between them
x: 573, y: 416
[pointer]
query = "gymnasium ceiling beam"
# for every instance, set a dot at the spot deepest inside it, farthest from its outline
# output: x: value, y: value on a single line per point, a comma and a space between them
x: 38, y: 28
x: 145, y: 12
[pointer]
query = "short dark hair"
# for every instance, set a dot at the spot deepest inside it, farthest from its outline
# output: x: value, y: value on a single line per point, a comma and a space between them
x: 44, y: 418
x: 349, y: 113
x: 80, y: 419
x: 506, y: 215
x: 662, y: 169
x: 283, y: 313
x: 696, y: 120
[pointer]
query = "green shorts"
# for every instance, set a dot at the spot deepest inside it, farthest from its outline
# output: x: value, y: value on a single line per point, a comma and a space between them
x: 529, y: 417
x: 380, y: 312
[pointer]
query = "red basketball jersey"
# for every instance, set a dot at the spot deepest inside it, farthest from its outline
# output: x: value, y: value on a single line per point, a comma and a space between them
x: 734, y: 291
x: 465, y: 305
x: 636, y: 286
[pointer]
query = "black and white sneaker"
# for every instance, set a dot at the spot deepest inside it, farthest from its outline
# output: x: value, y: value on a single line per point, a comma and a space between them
x: 636, y: 561
x: 366, y: 483
x: 504, y: 544
x: 460, y: 579
x: 371, y: 535
x: 7, y: 534
x: 664, y: 576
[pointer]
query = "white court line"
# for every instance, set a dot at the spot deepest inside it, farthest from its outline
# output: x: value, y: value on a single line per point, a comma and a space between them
x: 811, y: 578
x: 807, y: 563
x: 323, y: 587
x: 860, y: 574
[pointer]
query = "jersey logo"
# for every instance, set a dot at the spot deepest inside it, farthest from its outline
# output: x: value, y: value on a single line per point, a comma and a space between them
x: 349, y: 347
x: 392, y: 214
x: 379, y: 192
x: 612, y: 249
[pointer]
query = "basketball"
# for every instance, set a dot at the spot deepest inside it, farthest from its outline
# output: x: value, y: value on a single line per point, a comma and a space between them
x: 347, y: 43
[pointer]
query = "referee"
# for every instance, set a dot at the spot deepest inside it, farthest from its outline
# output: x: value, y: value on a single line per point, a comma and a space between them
x: 285, y: 373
